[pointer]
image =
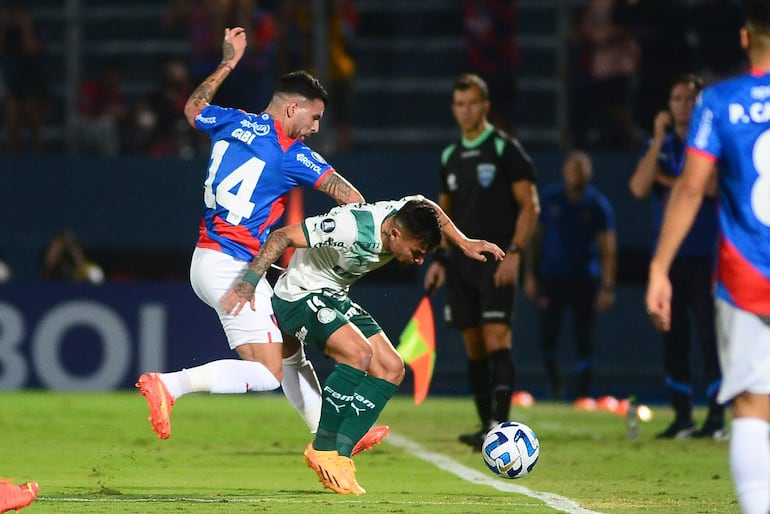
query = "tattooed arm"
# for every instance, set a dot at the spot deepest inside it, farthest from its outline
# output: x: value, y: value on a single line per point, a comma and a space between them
x: 242, y: 291
x: 336, y: 186
x: 232, y: 50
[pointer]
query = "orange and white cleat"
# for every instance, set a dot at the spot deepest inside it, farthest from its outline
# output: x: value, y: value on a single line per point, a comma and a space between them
x: 16, y: 497
x: 160, y: 402
x: 349, y: 472
x: 327, y: 466
x: 373, y: 437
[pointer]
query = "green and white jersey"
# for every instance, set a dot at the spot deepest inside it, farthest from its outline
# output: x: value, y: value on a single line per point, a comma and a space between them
x: 344, y: 245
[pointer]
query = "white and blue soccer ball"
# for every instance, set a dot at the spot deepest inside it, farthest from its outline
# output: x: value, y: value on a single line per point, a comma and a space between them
x: 511, y: 450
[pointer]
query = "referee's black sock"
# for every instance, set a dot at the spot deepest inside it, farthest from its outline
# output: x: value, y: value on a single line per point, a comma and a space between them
x: 503, y: 379
x: 479, y: 380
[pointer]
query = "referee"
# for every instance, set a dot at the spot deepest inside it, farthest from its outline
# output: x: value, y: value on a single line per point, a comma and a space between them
x: 488, y: 189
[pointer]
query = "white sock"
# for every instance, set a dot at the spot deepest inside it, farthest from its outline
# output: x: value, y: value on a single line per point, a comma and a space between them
x: 750, y: 464
x: 301, y: 387
x: 227, y: 376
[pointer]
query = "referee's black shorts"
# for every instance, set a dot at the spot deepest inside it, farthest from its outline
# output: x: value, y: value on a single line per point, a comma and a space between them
x: 472, y: 298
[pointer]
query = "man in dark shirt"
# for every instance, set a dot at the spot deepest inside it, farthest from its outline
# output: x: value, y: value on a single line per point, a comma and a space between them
x: 488, y: 188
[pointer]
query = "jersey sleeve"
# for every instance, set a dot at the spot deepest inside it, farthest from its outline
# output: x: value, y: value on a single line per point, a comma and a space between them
x: 516, y: 163
x: 213, y: 117
x: 443, y: 171
x: 335, y: 229
x: 703, y: 137
x: 305, y: 166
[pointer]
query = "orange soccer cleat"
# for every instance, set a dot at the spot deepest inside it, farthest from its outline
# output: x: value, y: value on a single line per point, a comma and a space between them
x: 374, y: 436
x: 15, y: 497
x: 160, y: 401
x: 328, y: 469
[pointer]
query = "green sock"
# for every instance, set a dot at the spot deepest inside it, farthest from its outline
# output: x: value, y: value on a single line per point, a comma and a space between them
x: 335, y: 403
x: 369, y: 399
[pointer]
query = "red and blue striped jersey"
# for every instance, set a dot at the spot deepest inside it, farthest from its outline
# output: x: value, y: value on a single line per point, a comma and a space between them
x: 731, y: 126
x: 253, y: 165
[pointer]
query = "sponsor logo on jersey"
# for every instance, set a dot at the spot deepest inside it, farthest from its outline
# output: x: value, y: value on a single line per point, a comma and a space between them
x: 208, y: 120
x: 329, y: 242
x: 326, y: 315
x: 258, y: 128
x: 468, y: 154
x: 301, y: 334
x: 317, y: 157
x: 485, y: 173
x: 760, y: 92
x: 307, y: 162
x: 328, y: 225
x: 758, y: 112
x: 265, y: 116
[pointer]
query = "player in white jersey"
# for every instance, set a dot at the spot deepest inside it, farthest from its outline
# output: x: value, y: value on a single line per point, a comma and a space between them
x: 312, y: 305
x: 730, y: 133
x: 255, y: 160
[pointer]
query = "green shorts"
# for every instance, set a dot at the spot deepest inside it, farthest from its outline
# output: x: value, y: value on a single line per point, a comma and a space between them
x: 315, y: 317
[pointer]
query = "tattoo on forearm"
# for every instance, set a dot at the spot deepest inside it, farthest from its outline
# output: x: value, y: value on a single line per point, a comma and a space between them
x: 273, y: 248
x: 228, y: 52
x: 204, y: 93
x: 338, y: 188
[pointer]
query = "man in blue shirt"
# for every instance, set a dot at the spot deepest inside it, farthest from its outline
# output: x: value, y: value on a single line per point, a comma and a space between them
x: 691, y: 271
x: 571, y: 263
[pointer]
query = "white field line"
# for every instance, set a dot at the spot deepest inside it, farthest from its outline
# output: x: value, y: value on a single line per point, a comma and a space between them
x: 270, y: 500
x: 445, y: 463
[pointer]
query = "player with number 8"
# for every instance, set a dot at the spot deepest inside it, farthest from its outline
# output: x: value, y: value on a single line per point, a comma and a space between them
x: 730, y: 135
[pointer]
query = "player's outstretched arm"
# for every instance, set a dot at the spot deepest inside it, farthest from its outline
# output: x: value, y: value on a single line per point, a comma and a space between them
x: 336, y: 186
x: 473, y: 248
x: 232, y: 50
x: 242, y: 291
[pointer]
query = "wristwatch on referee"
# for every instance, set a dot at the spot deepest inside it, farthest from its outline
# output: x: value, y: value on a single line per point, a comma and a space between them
x: 513, y: 248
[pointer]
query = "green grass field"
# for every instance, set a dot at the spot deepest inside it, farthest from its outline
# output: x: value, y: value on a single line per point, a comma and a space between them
x: 96, y: 453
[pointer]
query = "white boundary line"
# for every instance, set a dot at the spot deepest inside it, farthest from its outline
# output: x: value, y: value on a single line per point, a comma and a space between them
x: 445, y: 463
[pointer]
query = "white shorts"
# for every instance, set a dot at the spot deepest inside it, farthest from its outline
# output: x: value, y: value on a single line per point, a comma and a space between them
x: 744, y: 351
x: 212, y: 274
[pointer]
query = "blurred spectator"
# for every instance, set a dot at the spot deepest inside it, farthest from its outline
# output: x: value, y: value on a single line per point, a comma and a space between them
x: 343, y: 21
x: 64, y: 259
x: 489, y: 27
x: 101, y: 112
x: 715, y: 25
x: 660, y: 28
x: 250, y: 85
x: 612, y: 55
x: 571, y: 264
x: 159, y: 126
x: 22, y: 57
x: 5, y: 271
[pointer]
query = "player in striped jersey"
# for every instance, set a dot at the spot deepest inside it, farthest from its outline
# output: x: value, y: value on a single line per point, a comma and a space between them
x: 730, y: 134
x: 255, y: 160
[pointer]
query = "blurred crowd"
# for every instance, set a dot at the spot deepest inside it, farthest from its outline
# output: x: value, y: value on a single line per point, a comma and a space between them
x: 622, y: 56
x: 110, y: 120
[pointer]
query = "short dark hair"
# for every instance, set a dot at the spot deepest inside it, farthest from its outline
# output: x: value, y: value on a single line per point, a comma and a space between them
x: 689, y: 79
x: 758, y: 16
x: 303, y: 84
x: 421, y: 220
x: 468, y: 80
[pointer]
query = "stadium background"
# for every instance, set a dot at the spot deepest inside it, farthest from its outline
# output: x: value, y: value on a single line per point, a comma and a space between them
x: 138, y: 217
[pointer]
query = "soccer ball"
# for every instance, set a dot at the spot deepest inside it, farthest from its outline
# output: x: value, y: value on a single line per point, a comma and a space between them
x: 511, y: 450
